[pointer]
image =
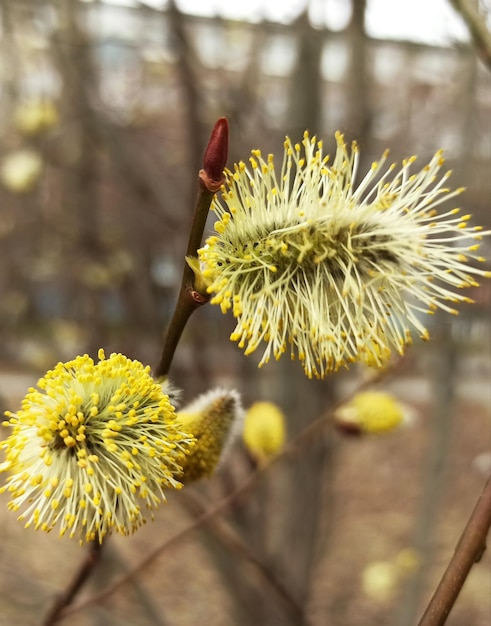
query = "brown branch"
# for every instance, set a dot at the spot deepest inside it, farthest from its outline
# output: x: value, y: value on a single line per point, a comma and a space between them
x: 190, y: 298
x: 230, y: 539
x: 434, y: 473
x: 64, y: 599
x: 143, y: 595
x: 175, y: 539
x: 302, y: 438
x: 477, y: 29
x: 188, y: 68
x: 469, y: 550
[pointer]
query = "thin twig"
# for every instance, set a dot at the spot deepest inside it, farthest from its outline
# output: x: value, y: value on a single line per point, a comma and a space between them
x: 434, y: 473
x: 189, y: 299
x: 230, y: 539
x: 210, y: 180
x: 175, y: 539
x: 64, y: 599
x: 143, y: 595
x: 477, y: 28
x: 302, y: 438
x: 469, y: 550
x: 188, y: 67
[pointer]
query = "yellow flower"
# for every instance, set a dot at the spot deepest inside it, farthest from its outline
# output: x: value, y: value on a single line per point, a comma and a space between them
x: 91, y: 445
x: 35, y: 116
x: 370, y: 412
x: 21, y: 170
x: 264, y: 430
x: 335, y: 272
x: 214, y: 419
x: 380, y: 580
x: 408, y: 561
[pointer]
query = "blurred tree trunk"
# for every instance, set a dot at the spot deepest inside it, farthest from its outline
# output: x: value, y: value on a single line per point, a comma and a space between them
x: 188, y: 67
x: 80, y: 196
x: 435, y: 475
x: 306, y: 81
x: 300, y: 519
x: 302, y: 522
x: 359, y: 114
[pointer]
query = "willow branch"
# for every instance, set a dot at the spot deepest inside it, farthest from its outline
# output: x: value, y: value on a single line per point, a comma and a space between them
x: 481, y: 36
x: 190, y: 297
x: 306, y: 435
x: 231, y: 540
x: 210, y: 180
x: 64, y: 599
x: 469, y: 550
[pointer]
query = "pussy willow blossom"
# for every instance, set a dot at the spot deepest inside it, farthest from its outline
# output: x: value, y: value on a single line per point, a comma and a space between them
x: 336, y: 273
x: 264, y: 432
x: 370, y: 412
x: 92, y: 445
x: 214, y: 418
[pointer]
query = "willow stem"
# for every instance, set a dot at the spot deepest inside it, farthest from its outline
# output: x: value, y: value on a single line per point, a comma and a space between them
x: 191, y: 296
x: 469, y: 550
x: 189, y: 299
x: 92, y: 557
x: 478, y: 30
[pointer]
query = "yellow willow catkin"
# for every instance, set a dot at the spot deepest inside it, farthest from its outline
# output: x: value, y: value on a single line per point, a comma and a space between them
x: 333, y: 272
x: 93, y: 447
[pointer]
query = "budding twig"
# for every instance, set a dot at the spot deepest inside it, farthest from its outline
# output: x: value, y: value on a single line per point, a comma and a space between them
x: 210, y: 179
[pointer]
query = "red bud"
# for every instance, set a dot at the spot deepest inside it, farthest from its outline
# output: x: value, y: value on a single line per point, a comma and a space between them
x: 216, y: 154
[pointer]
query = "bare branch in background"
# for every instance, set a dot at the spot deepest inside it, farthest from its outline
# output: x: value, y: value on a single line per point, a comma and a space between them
x: 308, y: 435
x: 231, y: 540
x: 434, y: 474
x: 306, y: 86
x: 477, y: 28
x: 188, y: 66
x: 469, y: 550
x: 359, y: 82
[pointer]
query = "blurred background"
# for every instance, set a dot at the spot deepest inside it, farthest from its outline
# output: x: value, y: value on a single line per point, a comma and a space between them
x: 105, y: 109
